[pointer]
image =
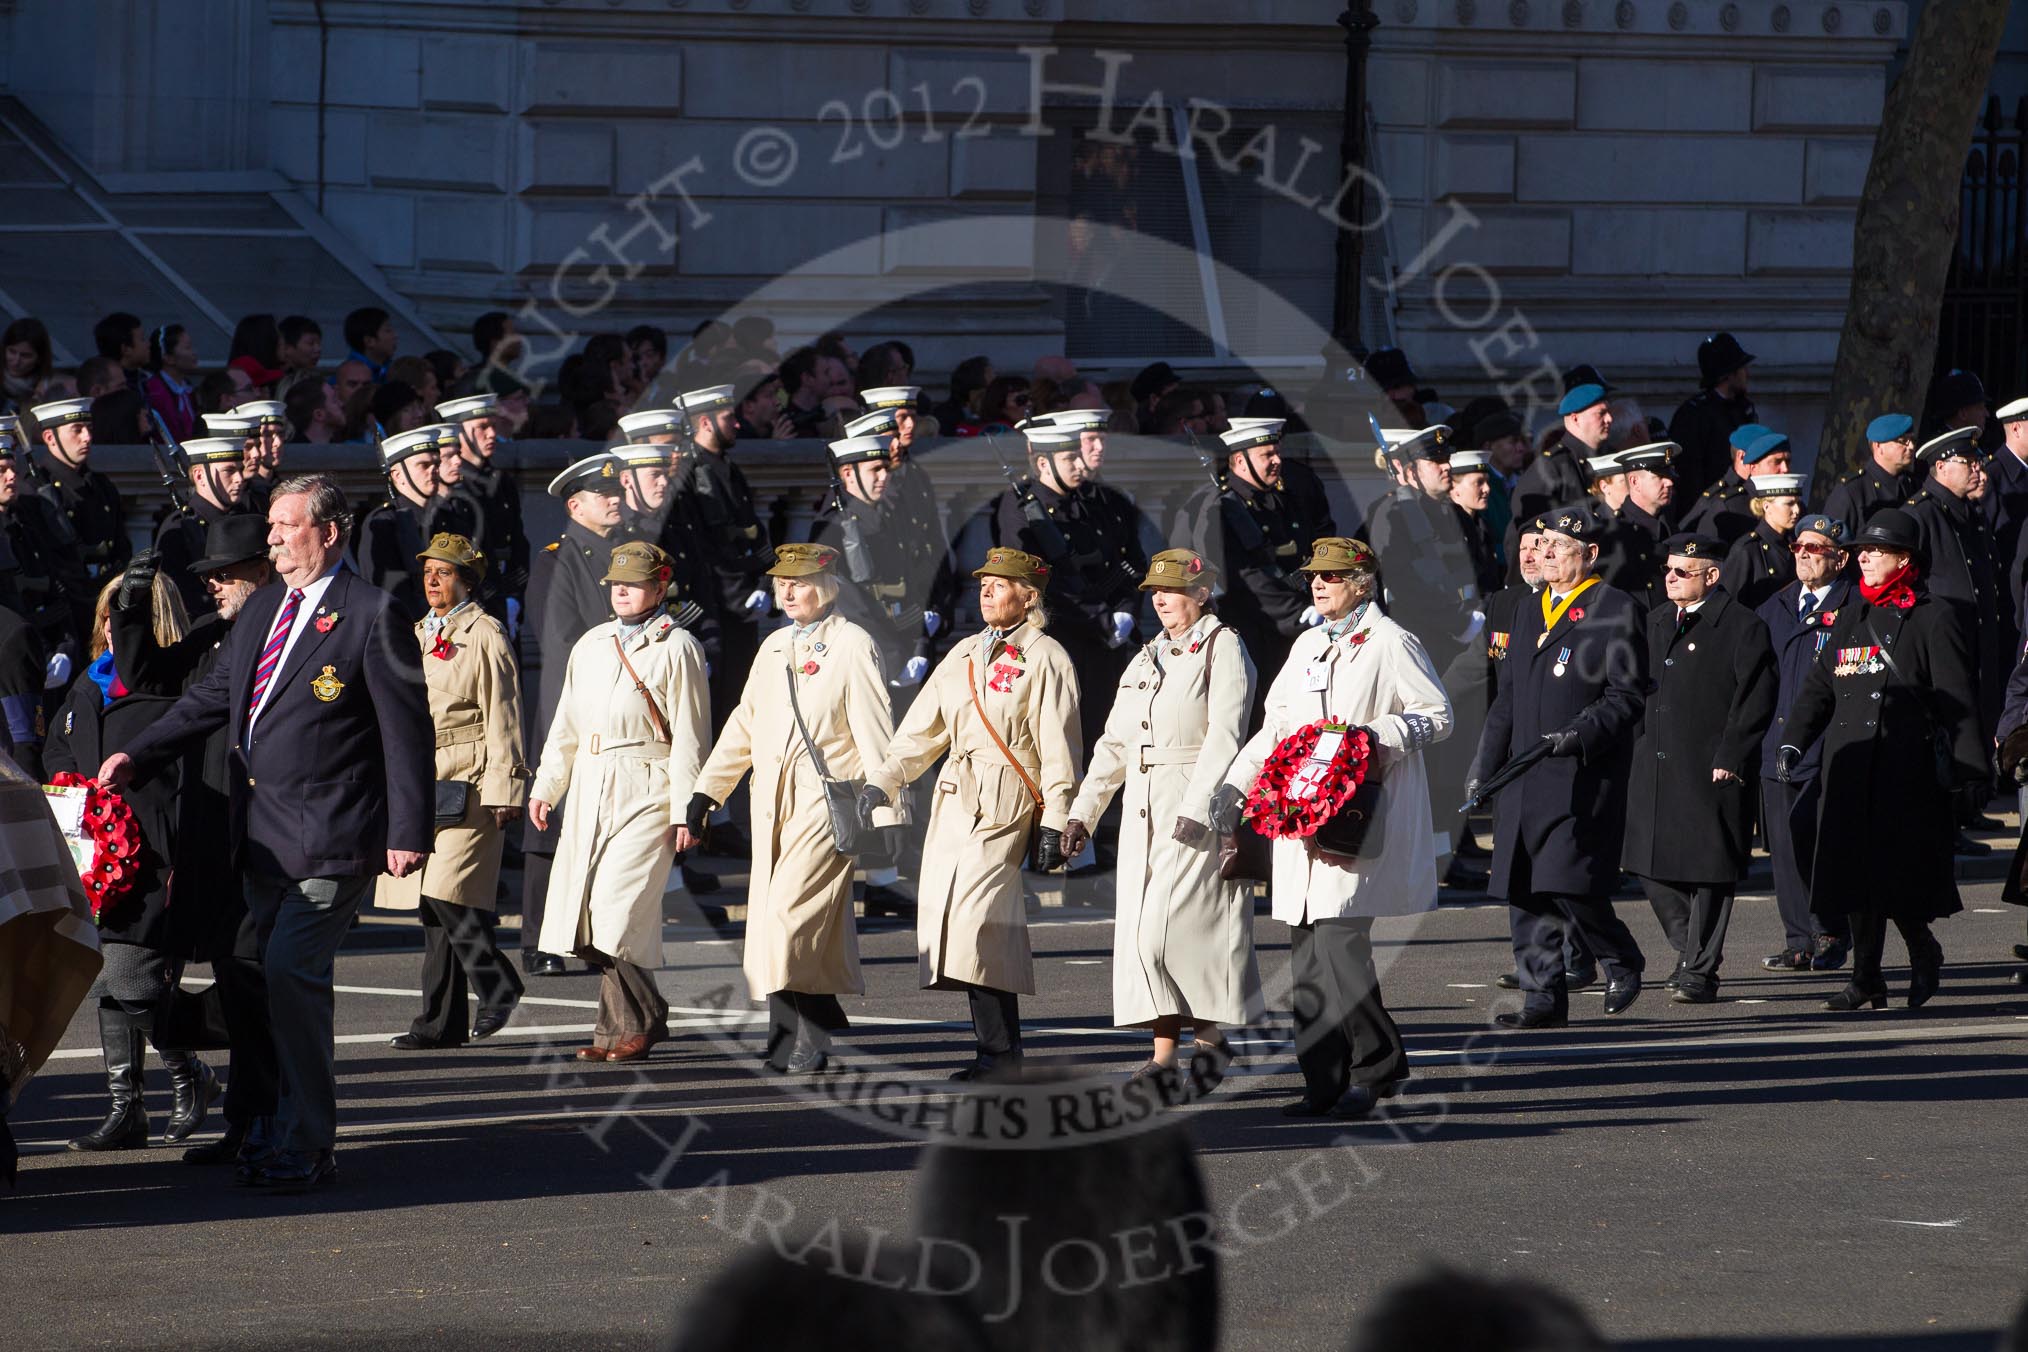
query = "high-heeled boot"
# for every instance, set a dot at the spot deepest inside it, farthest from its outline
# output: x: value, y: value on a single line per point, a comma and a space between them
x: 126, y: 1125
x: 1855, y: 997
x: 196, y: 1087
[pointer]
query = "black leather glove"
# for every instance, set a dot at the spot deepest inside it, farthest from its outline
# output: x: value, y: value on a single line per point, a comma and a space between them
x: 1076, y: 835
x: 1225, y: 806
x: 697, y: 814
x: 1471, y: 789
x: 1786, y: 761
x: 138, y: 582
x: 1189, y: 832
x: 1049, y: 855
x: 1562, y: 742
x: 870, y: 797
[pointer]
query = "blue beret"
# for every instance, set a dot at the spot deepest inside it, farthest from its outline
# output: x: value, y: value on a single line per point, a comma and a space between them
x: 1580, y: 399
x: 1830, y: 527
x: 1889, y: 427
x: 1746, y: 434
x: 1766, y: 446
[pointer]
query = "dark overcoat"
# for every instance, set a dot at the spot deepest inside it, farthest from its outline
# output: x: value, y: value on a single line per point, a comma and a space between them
x: 1796, y: 642
x: 1559, y: 828
x: 1885, y: 828
x: 1711, y: 694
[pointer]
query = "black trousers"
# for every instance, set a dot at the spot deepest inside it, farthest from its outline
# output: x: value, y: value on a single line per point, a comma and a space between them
x: 1789, y: 821
x: 798, y: 1019
x: 996, y: 1020
x: 460, y: 954
x: 1695, y: 917
x: 1538, y: 922
x: 1344, y: 1034
x: 253, y: 1076
x: 739, y: 644
x: 538, y: 857
x: 1869, y: 944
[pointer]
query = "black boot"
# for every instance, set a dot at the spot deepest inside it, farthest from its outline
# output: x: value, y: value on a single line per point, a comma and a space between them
x: 224, y: 1150
x: 126, y: 1126
x: 196, y: 1088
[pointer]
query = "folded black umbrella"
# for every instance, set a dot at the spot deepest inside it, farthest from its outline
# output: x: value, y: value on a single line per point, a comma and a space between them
x: 1508, y: 773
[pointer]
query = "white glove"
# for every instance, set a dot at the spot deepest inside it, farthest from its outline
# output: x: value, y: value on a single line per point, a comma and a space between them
x: 931, y: 622
x: 758, y: 602
x: 57, y: 673
x: 1311, y: 617
x: 513, y: 618
x: 1123, y: 625
x: 915, y: 670
x: 1472, y: 629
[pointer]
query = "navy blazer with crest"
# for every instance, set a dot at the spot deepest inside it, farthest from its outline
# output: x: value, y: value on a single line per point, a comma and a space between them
x: 341, y: 764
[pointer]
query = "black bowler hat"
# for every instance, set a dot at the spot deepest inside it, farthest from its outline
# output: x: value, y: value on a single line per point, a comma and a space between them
x: 238, y: 538
x: 1890, y: 528
x: 1719, y: 356
x: 1584, y: 373
x: 1389, y: 368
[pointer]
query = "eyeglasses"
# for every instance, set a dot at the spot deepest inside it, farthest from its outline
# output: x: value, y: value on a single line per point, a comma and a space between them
x: 1021, y: 399
x: 1673, y: 571
x: 1328, y: 577
x: 1813, y: 551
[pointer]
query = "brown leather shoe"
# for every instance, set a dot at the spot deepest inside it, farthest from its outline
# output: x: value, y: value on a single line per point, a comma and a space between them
x: 631, y: 1049
x: 591, y: 1053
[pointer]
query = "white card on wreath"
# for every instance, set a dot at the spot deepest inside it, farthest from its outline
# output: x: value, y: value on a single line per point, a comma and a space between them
x: 68, y: 804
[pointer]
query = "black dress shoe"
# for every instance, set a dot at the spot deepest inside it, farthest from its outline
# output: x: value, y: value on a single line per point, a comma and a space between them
x: 490, y: 1021
x: 2021, y: 952
x: 224, y: 1150
x: 1925, y: 974
x: 1461, y: 877
x: 1307, y: 1107
x: 1982, y: 822
x: 887, y: 901
x: 1694, y: 995
x: 1532, y: 1018
x: 986, y: 1067
x: 297, y: 1171
x: 1508, y: 981
x: 806, y: 1061
x: 1851, y: 998
x: 1619, y: 995
x: 537, y: 963
x: 2020, y: 977
x: 416, y: 1042
x: 1965, y: 846
x: 1355, y: 1103
x: 1577, y: 979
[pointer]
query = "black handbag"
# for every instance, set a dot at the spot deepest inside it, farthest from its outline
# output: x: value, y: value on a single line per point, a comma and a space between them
x: 1359, y: 829
x: 453, y: 798
x: 849, y: 835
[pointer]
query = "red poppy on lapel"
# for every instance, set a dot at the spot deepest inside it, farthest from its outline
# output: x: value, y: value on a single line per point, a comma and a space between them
x: 1576, y: 614
x: 324, y: 622
x: 443, y: 649
x: 809, y: 668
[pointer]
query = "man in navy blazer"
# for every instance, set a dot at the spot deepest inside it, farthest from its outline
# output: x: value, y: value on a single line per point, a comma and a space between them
x: 320, y: 689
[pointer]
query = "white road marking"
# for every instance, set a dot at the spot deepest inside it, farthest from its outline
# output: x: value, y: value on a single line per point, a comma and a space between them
x: 1926, y: 1225
x: 1467, y: 986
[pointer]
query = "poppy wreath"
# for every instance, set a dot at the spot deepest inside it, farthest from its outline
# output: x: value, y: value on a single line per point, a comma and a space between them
x: 1286, y: 802
x: 116, y: 842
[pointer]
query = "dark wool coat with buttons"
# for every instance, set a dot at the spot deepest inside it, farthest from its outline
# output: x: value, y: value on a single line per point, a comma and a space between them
x: 1885, y: 828
x: 1711, y: 694
x: 1759, y: 565
x: 1557, y: 830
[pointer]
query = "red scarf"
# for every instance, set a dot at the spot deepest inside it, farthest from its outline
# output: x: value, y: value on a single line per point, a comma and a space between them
x: 1896, y: 591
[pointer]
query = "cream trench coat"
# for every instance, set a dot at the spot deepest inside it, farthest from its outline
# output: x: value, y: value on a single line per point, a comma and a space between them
x: 620, y: 787
x: 1182, y: 936
x: 475, y: 704
x: 1376, y: 675
x: 799, y: 928
x: 971, y: 925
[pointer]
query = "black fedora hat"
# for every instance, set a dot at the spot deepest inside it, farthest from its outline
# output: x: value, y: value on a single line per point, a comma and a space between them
x: 1890, y: 528
x: 238, y: 538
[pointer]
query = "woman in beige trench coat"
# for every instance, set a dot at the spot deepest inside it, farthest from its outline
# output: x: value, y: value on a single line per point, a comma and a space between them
x: 971, y: 924
x: 802, y: 950
x: 1182, y: 936
x: 475, y: 705
x: 621, y: 757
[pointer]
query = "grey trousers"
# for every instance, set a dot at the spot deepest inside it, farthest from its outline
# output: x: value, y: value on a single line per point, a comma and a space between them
x: 301, y: 923
x: 629, y: 1002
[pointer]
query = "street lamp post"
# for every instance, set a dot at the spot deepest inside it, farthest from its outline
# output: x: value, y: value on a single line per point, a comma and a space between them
x: 1358, y: 21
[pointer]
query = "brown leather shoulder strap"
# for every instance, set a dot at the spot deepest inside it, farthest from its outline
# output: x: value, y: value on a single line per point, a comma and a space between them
x: 972, y: 681
x: 654, y: 709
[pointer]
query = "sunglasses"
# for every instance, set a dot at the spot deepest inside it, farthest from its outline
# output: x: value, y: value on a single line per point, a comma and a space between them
x: 1673, y: 571
x: 1329, y: 577
x: 1814, y: 551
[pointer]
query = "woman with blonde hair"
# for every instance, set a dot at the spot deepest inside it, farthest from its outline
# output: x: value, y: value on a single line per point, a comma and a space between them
x: 814, y: 709
x: 1000, y: 711
x: 148, y: 931
x: 1762, y: 561
x: 1182, y: 935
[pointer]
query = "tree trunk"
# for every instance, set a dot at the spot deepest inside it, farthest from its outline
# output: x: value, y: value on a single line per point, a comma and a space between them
x: 1908, y: 226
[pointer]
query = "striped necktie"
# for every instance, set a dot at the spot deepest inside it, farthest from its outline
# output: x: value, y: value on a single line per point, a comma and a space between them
x: 271, y: 656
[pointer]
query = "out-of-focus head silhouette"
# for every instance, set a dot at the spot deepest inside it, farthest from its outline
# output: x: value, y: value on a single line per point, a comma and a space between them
x: 1444, y: 1310
x: 843, y: 1298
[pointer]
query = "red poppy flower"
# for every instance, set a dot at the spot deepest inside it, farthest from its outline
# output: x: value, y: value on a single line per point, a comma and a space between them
x: 1576, y: 613
x: 1277, y: 811
x: 1015, y: 653
x: 1357, y: 638
x: 809, y: 668
x: 324, y: 622
x: 443, y: 649
x: 115, y: 836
